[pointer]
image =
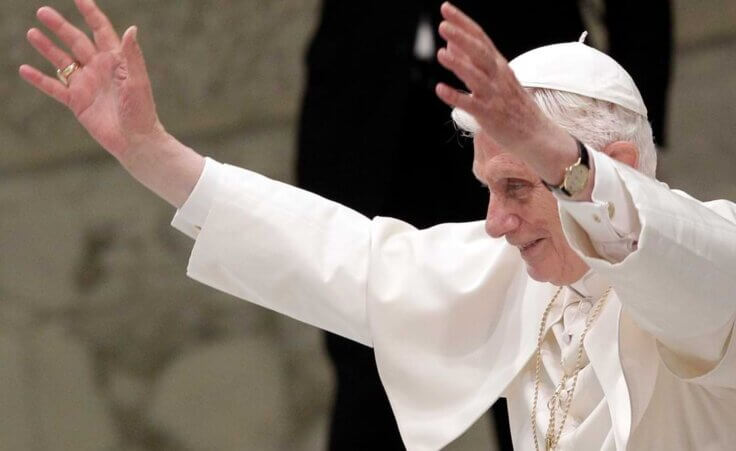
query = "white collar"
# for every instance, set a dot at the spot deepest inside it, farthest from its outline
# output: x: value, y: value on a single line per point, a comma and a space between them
x: 591, y: 285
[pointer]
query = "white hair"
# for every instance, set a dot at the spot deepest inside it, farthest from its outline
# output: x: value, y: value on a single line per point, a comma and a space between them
x: 595, y: 122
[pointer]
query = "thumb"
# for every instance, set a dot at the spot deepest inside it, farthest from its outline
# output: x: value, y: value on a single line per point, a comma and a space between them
x: 133, y: 55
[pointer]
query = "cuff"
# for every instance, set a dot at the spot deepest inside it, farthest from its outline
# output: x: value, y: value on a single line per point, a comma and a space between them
x: 610, y: 219
x: 190, y: 217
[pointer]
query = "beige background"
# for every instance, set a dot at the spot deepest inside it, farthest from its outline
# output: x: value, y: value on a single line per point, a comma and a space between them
x: 104, y: 343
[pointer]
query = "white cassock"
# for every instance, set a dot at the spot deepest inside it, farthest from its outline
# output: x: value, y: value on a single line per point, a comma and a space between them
x: 453, y: 316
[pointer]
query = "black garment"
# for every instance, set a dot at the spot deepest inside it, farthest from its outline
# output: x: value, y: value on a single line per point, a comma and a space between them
x: 373, y: 136
x: 640, y: 39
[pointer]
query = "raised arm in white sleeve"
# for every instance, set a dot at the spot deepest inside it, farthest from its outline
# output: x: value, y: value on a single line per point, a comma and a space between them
x: 279, y: 247
x: 669, y: 257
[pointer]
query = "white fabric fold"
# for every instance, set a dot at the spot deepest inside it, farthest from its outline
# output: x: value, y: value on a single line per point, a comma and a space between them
x: 453, y: 316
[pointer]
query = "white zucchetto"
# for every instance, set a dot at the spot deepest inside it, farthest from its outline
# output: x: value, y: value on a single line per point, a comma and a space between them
x: 572, y: 67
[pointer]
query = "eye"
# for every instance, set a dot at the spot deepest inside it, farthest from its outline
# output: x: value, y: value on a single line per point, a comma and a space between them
x: 517, y: 186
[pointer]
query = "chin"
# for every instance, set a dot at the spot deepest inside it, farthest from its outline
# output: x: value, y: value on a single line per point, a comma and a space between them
x: 548, y: 275
x: 539, y: 274
x: 555, y: 268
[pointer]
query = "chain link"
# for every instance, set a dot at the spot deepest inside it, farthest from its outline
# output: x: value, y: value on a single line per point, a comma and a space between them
x: 552, y: 438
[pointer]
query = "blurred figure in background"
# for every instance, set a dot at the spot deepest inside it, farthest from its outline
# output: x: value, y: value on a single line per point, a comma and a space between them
x: 374, y: 136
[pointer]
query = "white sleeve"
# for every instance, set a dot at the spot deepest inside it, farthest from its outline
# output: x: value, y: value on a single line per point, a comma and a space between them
x: 193, y: 213
x: 280, y: 247
x: 610, y: 220
x: 678, y: 280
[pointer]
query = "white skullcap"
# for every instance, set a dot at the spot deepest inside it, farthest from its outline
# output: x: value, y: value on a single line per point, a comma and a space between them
x: 571, y: 67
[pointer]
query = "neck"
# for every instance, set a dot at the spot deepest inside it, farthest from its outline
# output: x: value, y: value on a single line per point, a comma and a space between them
x: 571, y: 275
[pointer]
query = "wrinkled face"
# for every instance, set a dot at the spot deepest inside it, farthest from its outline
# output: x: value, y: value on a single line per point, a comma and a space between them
x: 522, y: 210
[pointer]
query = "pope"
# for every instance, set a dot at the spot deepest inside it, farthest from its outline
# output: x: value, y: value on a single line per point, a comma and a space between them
x: 598, y: 301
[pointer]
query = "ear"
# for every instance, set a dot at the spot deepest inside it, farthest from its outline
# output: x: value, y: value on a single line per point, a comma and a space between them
x: 624, y: 151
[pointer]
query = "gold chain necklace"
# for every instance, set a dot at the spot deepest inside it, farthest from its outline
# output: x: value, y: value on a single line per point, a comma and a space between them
x: 552, y: 438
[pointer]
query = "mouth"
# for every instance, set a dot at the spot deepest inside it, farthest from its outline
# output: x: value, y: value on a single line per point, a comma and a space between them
x: 528, y: 247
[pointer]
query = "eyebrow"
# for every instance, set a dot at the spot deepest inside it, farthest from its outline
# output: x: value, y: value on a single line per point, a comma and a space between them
x: 509, y: 172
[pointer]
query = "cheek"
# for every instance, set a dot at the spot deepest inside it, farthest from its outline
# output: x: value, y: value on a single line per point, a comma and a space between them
x: 554, y: 228
x: 540, y: 212
x: 544, y: 220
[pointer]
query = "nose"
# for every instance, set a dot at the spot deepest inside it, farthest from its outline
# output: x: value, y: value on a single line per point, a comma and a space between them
x: 500, y: 219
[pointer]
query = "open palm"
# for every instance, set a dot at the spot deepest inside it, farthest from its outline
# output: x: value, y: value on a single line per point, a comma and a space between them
x: 110, y: 94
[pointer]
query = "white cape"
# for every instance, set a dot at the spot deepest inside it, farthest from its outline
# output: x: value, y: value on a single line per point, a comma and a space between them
x: 453, y: 316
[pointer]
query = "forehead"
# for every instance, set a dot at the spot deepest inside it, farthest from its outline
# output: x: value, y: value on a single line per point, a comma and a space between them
x: 491, y: 163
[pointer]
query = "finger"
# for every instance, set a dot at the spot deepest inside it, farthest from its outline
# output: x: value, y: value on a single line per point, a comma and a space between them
x: 81, y: 47
x: 50, y: 86
x: 455, y: 98
x: 477, y: 81
x: 455, y: 50
x: 133, y: 55
x: 105, y: 35
x: 480, y: 53
x: 452, y: 14
x: 59, y: 58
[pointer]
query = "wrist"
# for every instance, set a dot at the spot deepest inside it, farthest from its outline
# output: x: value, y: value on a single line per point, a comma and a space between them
x: 165, y: 166
x: 577, y: 181
x: 552, y: 153
x: 586, y: 195
x: 156, y: 139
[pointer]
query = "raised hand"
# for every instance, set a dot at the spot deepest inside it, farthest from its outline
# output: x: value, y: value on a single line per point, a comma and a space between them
x: 110, y: 93
x: 496, y: 100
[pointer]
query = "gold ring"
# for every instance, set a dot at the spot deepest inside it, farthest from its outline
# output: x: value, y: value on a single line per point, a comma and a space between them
x: 65, y: 73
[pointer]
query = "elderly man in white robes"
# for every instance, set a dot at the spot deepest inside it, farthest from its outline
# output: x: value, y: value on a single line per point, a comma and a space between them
x: 602, y: 305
